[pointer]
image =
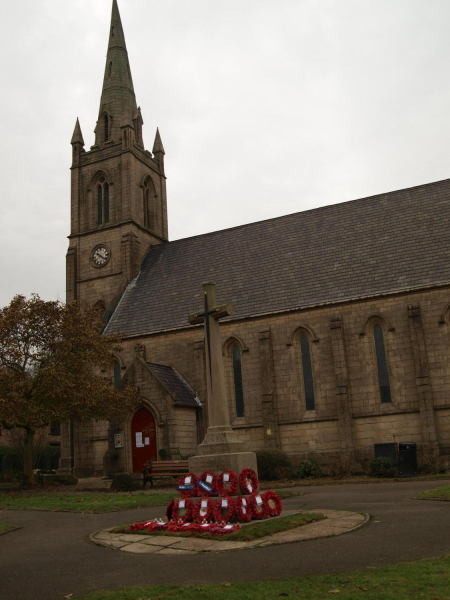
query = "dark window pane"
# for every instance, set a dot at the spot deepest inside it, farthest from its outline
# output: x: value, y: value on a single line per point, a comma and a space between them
x: 238, y: 389
x: 55, y: 429
x: 116, y: 374
x: 99, y: 205
x: 307, y: 374
x: 106, y: 128
x: 383, y: 376
x: 106, y: 200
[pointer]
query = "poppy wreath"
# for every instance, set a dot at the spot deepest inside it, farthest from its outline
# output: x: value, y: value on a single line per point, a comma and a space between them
x: 243, y: 512
x: 259, y: 508
x: 273, y: 502
x: 187, y: 517
x: 248, y: 481
x: 204, y: 510
x: 207, y: 488
x: 227, y: 477
x: 223, y: 504
x: 188, y: 490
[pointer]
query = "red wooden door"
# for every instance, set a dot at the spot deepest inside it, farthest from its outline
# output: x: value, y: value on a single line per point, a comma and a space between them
x: 143, y: 432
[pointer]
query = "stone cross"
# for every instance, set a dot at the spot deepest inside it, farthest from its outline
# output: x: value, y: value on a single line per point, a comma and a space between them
x: 218, y: 414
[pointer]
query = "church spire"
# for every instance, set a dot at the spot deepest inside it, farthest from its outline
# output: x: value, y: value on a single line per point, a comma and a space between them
x: 118, y: 102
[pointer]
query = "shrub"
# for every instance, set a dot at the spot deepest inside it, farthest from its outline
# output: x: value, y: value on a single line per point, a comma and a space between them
x: 432, y: 465
x: 61, y: 479
x: 14, y: 460
x: 309, y: 468
x: 126, y: 482
x: 382, y: 467
x: 340, y: 468
x: 273, y: 464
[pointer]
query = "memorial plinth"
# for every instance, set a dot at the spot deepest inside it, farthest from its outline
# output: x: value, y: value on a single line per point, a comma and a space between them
x: 221, y: 449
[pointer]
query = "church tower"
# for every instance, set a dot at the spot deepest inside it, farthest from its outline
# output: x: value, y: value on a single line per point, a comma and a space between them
x: 118, y: 190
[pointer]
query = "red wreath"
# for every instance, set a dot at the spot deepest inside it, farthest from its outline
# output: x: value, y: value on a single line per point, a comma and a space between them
x: 202, y: 515
x: 232, y: 487
x: 219, y: 517
x: 191, y: 492
x: 259, y: 510
x: 243, y: 512
x: 273, y: 502
x: 212, y: 485
x: 187, y: 517
x: 248, y: 481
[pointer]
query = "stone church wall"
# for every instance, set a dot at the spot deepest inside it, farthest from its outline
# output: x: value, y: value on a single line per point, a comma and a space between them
x: 343, y: 367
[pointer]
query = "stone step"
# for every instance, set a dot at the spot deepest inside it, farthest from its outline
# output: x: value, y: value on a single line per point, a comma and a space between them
x: 93, y: 483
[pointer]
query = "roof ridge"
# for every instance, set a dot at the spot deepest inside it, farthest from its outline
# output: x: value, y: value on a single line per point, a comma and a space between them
x: 309, y: 210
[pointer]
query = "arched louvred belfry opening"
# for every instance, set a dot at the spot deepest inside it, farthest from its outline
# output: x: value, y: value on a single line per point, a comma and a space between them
x: 107, y: 123
x: 307, y: 374
x: 102, y: 201
x: 237, y: 381
x: 382, y: 366
x: 149, y: 201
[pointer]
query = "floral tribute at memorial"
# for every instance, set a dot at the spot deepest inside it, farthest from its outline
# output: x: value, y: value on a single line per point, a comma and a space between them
x: 217, y: 511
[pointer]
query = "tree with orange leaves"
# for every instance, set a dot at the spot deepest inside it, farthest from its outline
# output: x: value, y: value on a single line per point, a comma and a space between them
x: 51, y: 355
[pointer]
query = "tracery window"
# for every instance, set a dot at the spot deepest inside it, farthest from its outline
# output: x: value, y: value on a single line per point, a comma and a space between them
x: 102, y: 201
x: 383, y: 375
x: 237, y: 381
x: 308, y: 382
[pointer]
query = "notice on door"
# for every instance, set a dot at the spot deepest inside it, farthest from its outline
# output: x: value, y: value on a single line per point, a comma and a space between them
x: 139, y: 443
x: 147, y: 441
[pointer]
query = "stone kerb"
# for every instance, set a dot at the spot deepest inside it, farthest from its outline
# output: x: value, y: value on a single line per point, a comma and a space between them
x: 335, y: 523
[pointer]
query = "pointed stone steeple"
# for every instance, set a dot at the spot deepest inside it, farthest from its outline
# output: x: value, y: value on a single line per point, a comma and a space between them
x: 118, y: 102
x: 77, y: 137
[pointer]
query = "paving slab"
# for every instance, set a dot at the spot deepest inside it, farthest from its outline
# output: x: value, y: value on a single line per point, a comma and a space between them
x: 173, y: 552
x: 141, y: 549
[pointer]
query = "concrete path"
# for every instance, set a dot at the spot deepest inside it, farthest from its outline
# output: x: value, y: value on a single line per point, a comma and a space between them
x: 52, y: 557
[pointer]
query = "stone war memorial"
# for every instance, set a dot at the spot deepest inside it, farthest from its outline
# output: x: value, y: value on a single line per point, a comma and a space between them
x: 221, y: 449
x: 337, y: 345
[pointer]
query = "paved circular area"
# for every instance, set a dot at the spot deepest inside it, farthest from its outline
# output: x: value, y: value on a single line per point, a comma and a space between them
x: 52, y: 556
x: 335, y: 523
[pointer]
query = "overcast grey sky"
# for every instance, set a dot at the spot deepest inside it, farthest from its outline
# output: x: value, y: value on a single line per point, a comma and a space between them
x: 265, y: 107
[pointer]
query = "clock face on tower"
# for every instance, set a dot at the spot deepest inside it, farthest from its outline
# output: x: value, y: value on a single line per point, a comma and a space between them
x: 100, y: 256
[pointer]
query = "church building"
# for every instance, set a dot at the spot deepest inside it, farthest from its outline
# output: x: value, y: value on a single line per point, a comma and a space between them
x: 340, y: 334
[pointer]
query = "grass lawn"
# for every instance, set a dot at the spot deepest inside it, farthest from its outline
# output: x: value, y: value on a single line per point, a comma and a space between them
x: 253, y: 531
x: 6, y: 528
x: 427, y: 579
x: 359, y: 479
x: 442, y: 493
x: 82, y: 503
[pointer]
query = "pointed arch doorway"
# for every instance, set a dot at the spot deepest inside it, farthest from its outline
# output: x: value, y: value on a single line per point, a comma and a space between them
x: 143, y: 439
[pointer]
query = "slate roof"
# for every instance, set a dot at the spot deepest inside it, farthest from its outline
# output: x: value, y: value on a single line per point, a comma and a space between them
x: 174, y: 383
x: 384, y: 243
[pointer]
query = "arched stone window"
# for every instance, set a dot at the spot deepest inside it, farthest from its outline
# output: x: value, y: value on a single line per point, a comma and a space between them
x: 237, y: 381
x: 117, y: 369
x: 307, y: 374
x: 149, y: 199
x: 382, y: 367
x: 102, y: 201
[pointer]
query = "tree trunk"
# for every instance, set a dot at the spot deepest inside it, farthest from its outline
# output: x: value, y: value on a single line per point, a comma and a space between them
x: 28, y: 455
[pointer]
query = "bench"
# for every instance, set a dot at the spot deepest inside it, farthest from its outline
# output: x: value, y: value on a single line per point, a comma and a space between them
x: 164, y: 468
